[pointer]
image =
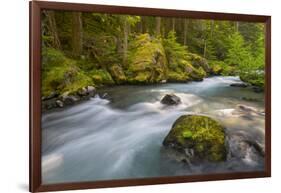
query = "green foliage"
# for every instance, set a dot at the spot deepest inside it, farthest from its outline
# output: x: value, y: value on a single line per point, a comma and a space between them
x: 117, y: 74
x: 60, y: 73
x: 124, y: 49
x: 238, y: 54
x: 100, y: 77
x: 147, y: 60
x: 180, y: 61
x: 176, y: 54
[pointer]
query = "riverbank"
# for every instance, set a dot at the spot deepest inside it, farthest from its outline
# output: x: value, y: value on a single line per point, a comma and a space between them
x: 54, y: 100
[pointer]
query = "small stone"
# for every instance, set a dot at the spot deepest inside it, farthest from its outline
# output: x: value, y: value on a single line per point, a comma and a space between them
x: 91, y: 90
x: 59, y: 103
x: 82, y: 92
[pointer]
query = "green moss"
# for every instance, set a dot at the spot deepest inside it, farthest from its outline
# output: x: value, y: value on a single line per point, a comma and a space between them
x: 200, y: 133
x: 197, y: 74
x: 198, y: 61
x: 147, y: 60
x: 216, y: 67
x: 173, y: 76
x: 100, y: 77
x: 61, y: 74
x: 117, y: 74
x: 254, y: 78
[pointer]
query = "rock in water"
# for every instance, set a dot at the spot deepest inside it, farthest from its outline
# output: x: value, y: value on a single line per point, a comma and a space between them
x: 171, y: 99
x: 59, y: 103
x: 200, y: 135
x: 242, y: 85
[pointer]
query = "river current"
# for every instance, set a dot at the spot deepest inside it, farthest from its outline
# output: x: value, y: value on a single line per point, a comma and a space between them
x: 121, y: 137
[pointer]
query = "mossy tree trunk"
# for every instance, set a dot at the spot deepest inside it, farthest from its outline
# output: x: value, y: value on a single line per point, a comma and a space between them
x: 143, y: 24
x: 174, y: 24
x: 185, y: 28
x: 53, y: 29
x: 158, y: 26
x: 77, y: 34
x: 125, y: 43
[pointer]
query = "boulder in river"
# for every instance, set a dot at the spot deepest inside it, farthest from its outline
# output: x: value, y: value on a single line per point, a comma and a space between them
x: 171, y: 99
x: 197, y: 138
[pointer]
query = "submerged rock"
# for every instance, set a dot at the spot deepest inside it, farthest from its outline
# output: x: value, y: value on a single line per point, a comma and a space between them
x: 196, y: 138
x: 171, y: 99
x: 257, y: 89
x: 243, y: 147
x: 250, y: 99
x: 242, y: 85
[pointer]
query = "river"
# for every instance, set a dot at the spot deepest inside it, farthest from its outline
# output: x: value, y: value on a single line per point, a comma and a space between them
x: 121, y: 137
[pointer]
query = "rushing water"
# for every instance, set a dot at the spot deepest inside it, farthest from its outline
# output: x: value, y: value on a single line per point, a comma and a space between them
x: 122, y: 137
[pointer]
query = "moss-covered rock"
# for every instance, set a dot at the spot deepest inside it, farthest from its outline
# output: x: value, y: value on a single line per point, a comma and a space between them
x: 147, y: 60
x: 198, y: 61
x: 200, y: 135
x: 117, y: 74
x: 197, y: 74
x: 178, y: 76
x: 216, y: 67
x: 61, y: 74
x: 100, y: 77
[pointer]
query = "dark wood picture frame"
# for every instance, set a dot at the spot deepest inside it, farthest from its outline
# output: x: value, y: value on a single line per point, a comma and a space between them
x: 35, y: 95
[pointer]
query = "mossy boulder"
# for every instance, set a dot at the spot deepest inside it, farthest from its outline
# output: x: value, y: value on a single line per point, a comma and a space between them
x: 61, y: 74
x: 216, y: 67
x: 100, y: 77
x: 117, y: 74
x: 146, y: 60
x: 198, y: 61
x: 197, y: 74
x: 197, y: 138
x: 177, y: 76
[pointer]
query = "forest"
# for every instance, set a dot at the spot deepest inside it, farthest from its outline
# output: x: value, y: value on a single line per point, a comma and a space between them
x: 169, y: 96
x: 81, y: 49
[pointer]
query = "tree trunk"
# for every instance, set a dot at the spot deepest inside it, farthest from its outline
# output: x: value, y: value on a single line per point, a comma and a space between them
x: 185, y: 27
x: 53, y: 29
x: 77, y: 31
x: 237, y: 26
x: 174, y: 24
x: 158, y: 26
x: 143, y: 21
x: 125, y: 43
x: 205, y: 48
x: 212, y: 28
